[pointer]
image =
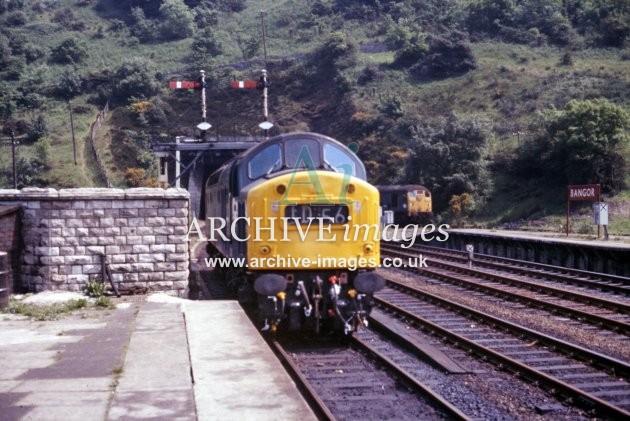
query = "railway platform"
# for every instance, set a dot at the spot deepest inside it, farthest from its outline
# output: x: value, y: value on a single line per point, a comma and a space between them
x: 171, y: 359
x: 611, y: 257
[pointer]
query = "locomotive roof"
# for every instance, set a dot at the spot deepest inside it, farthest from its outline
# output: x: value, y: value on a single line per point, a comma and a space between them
x: 400, y: 187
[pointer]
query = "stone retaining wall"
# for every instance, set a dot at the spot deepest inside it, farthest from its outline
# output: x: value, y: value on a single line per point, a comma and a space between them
x: 141, y: 231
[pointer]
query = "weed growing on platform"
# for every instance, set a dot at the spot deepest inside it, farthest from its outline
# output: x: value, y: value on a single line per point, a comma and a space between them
x: 45, y: 312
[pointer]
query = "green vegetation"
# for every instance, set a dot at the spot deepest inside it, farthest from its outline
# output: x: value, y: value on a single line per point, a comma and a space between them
x: 45, y: 312
x: 505, y: 101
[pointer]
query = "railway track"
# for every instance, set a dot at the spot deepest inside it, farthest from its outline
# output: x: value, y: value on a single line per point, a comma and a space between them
x: 599, y: 311
x: 588, y: 379
x: 581, y: 279
x: 351, y: 383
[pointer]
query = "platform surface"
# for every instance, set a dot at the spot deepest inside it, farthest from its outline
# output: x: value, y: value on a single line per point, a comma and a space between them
x: 135, y: 363
x: 621, y: 243
x: 236, y: 374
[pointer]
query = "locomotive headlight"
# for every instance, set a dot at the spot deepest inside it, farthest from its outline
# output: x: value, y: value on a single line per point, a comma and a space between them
x: 352, y: 293
x: 368, y: 248
x: 350, y: 188
x: 281, y: 188
x: 264, y: 249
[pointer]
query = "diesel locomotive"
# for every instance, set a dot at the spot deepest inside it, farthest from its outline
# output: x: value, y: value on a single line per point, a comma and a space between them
x: 298, y: 209
x: 410, y: 203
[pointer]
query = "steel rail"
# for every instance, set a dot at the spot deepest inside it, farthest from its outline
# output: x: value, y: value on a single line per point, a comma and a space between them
x: 411, y: 379
x: 615, y: 325
x: 317, y: 405
x: 592, y: 358
x: 524, y: 267
x: 576, y: 296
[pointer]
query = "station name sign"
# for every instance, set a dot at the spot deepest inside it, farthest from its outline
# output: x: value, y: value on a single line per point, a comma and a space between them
x: 583, y: 192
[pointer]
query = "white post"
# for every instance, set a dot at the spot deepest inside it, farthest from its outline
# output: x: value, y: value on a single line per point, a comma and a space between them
x: 177, y: 164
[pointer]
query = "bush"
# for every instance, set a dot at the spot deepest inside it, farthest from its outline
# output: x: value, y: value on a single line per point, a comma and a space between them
x: 448, y: 55
x: 70, y: 51
x: 134, y: 177
x: 135, y: 78
x: 177, y: 20
x: 95, y: 289
x: 16, y: 19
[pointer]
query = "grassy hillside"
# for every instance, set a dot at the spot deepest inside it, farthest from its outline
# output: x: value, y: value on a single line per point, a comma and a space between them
x: 357, y: 90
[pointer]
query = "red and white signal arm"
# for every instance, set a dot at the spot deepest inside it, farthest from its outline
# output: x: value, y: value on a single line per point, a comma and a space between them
x: 184, y: 84
x: 244, y: 84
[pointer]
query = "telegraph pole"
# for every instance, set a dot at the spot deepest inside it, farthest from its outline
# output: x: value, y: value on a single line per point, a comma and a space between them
x: 264, y: 35
x: 13, y: 155
x: 74, y: 143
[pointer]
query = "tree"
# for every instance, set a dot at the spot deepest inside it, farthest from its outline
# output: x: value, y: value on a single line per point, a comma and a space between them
x: 143, y: 29
x: 460, y: 205
x: 70, y: 84
x: 407, y: 40
x: 449, y: 54
x: 178, y: 20
x: 136, y: 77
x: 449, y: 159
x: 205, y: 46
x: 583, y: 143
x: 70, y: 51
x: 338, y: 52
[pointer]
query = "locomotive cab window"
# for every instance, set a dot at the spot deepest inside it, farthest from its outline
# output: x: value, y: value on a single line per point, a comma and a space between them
x: 339, y: 159
x: 265, y: 162
x: 302, y: 153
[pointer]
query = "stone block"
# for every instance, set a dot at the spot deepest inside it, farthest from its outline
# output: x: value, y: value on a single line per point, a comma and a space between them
x: 120, y: 222
x: 118, y: 258
x: 151, y: 258
x: 51, y: 260
x: 148, y: 212
x: 148, y: 239
x: 163, y: 248
x: 130, y: 277
x: 120, y: 239
x: 96, y: 249
x: 134, y: 239
x: 66, y: 251
x: 91, y: 222
x: 157, y: 221
x: 142, y: 267
x: 96, y: 231
x: 99, y: 213
x: 78, y: 279
x: 176, y: 276
x: 109, y: 250
x: 106, y: 240
x: 91, y: 269
x: 140, y: 248
x: 47, y: 251
x: 120, y: 267
x: 151, y: 277
x: 107, y: 222
x: 136, y: 222
x: 167, y: 212
x: 164, y: 230
x: 129, y: 213
x: 78, y: 260
x: 78, y: 204
x: 68, y: 232
x: 72, y: 223
x: 165, y: 266
x: 177, y: 257
x: 68, y: 213
x: 175, y: 221
x: 88, y: 241
x: 134, y: 204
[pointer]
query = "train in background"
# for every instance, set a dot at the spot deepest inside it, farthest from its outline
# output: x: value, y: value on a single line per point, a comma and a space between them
x: 267, y: 195
x: 410, y: 203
